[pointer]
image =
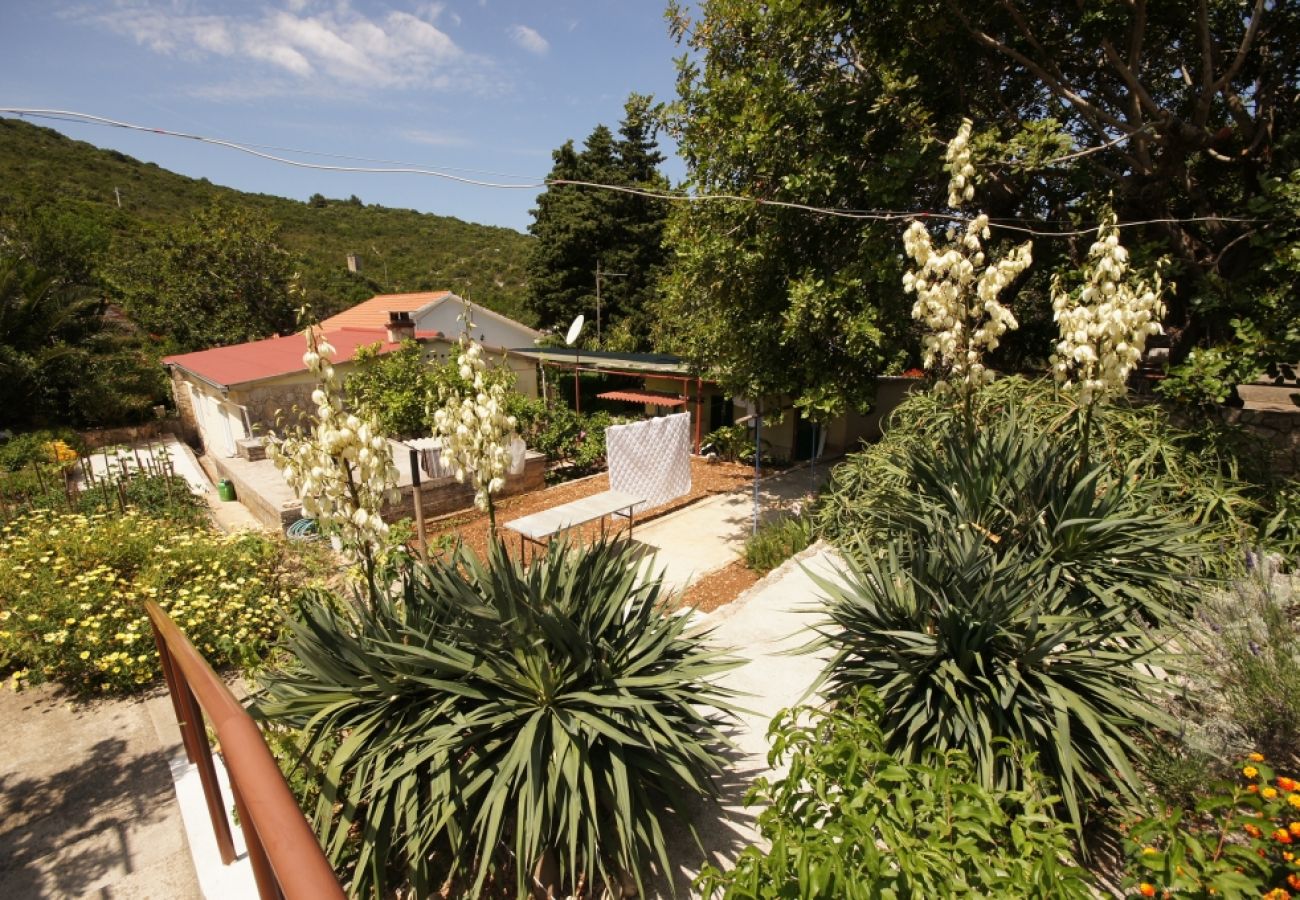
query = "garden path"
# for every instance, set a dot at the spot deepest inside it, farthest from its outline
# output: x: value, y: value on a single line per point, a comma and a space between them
x: 87, y: 807
x: 762, y: 627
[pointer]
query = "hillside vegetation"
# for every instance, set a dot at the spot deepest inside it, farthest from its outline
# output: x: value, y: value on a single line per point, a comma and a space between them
x: 69, y: 186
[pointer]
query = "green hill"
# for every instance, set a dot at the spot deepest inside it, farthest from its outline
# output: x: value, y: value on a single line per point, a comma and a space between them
x: 400, y: 249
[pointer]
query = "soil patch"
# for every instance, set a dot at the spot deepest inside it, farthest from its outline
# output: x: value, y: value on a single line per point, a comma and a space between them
x: 720, y: 587
x: 471, y: 527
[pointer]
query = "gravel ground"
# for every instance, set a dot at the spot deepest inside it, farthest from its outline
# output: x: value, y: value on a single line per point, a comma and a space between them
x: 472, y: 527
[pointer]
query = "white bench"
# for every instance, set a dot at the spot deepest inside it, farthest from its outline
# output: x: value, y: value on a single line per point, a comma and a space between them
x: 541, y: 526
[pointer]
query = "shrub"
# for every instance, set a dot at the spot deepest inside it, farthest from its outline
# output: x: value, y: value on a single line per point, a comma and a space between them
x: 1013, y: 602
x: 1245, y: 682
x: 553, y: 711
x: 777, y: 541
x: 850, y: 820
x: 1241, y: 841
x: 72, y: 588
x: 47, y: 448
x: 1191, y: 476
x: 160, y: 496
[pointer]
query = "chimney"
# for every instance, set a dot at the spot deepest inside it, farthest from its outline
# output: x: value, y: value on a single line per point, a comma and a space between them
x: 354, y: 262
x: 400, y: 327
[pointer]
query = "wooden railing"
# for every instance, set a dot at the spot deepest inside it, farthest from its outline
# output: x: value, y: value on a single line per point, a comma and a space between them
x: 286, y: 859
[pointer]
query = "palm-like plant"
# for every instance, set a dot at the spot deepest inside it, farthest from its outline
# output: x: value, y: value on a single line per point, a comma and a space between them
x: 1013, y: 602
x: 491, y: 711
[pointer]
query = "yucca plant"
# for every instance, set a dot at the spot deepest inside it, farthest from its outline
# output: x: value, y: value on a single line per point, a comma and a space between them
x: 970, y: 649
x: 1014, y: 601
x: 489, y: 716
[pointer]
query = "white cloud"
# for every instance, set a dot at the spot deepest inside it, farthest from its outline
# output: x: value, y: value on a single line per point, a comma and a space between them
x: 529, y: 39
x: 330, y: 44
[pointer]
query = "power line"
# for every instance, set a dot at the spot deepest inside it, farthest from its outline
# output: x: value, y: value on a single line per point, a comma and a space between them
x: 673, y: 196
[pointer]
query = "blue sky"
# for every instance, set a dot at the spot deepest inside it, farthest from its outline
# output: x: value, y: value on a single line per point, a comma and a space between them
x: 487, y: 85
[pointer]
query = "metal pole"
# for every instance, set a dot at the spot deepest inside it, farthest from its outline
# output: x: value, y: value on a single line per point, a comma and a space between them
x: 758, y: 457
x: 419, y: 507
x: 577, y: 394
x: 598, y: 341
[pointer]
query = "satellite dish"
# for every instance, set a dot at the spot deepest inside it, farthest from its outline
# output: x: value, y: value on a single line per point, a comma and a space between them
x: 574, y: 330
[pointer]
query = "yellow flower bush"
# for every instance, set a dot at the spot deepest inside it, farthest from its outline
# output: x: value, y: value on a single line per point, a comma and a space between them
x: 72, y: 592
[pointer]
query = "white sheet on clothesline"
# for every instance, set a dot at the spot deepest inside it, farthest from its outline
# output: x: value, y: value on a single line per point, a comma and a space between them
x: 651, y: 459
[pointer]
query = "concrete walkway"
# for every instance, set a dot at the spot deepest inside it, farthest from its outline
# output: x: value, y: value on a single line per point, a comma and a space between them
x: 87, y: 807
x: 763, y: 626
x: 705, y: 536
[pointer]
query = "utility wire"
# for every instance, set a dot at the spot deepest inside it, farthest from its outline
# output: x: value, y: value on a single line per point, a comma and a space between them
x: 878, y: 215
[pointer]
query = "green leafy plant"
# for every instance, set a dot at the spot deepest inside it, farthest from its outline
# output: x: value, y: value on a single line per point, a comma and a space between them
x: 1205, y: 477
x: 1014, y: 602
x: 777, y: 541
x: 1240, y: 841
x: 849, y: 819
x: 38, y: 447
x: 485, y: 712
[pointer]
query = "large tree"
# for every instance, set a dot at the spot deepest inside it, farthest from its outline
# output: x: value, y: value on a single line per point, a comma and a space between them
x: 581, y: 228
x: 1181, y: 115
x: 220, y: 278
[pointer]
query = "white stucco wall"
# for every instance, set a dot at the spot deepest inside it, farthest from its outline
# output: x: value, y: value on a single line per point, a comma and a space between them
x: 489, y: 330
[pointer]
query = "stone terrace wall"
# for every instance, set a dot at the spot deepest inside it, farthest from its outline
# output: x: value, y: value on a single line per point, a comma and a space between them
x: 1280, y: 429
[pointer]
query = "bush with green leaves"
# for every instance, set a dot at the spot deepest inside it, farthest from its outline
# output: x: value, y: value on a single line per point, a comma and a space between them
x: 1211, y: 476
x: 36, y: 448
x: 1015, y: 600
x: 1239, y: 841
x: 484, y: 716
x: 850, y: 820
x: 776, y: 541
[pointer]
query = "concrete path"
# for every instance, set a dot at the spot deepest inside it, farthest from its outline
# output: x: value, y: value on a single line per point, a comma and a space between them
x: 705, y: 536
x: 762, y: 626
x: 87, y: 807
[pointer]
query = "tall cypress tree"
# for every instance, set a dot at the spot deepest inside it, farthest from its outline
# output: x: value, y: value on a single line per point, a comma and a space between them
x: 578, y: 228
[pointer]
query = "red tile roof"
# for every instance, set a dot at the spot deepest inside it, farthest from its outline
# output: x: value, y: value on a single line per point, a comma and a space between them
x: 257, y: 360
x: 373, y: 313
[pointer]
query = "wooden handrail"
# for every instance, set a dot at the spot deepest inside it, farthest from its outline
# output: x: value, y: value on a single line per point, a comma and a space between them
x: 286, y: 859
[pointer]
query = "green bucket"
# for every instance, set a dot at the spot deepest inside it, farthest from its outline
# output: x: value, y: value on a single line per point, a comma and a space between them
x: 225, y: 490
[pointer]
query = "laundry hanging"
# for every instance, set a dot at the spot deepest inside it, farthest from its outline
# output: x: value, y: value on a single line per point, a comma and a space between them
x: 651, y: 459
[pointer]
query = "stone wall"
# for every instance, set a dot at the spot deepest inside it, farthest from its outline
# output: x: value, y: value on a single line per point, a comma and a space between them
x: 129, y: 434
x: 1280, y: 429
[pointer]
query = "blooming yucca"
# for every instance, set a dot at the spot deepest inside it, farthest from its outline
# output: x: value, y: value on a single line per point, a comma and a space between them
x: 956, y: 287
x: 471, y: 426
x: 342, y: 467
x: 1104, y: 329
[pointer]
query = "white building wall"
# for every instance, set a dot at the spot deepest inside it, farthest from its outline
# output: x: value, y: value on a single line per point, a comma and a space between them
x: 489, y: 330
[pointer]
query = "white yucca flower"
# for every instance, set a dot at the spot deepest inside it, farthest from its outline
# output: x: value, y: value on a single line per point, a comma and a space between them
x: 341, y: 468
x: 1104, y: 329
x: 472, y: 430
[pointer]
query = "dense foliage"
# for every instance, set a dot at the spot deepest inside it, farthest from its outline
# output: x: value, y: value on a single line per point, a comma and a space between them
x: 776, y: 541
x: 62, y: 360
x: 849, y: 819
x: 579, y: 228
x: 1207, y: 475
x: 72, y: 588
x: 219, y: 277
x: 1188, y: 116
x: 1012, y: 599
x: 1238, y: 842
x: 552, y: 711
x: 65, y: 189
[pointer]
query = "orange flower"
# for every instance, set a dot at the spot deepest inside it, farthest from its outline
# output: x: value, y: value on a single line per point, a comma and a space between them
x: 1256, y: 757
x: 1277, y: 894
x: 1282, y: 836
x: 1294, y: 880
x: 1252, y: 789
x: 1286, y: 784
x: 1146, y: 889
x: 1251, y: 830
x: 1250, y: 771
x: 1294, y: 828
x: 1268, y: 793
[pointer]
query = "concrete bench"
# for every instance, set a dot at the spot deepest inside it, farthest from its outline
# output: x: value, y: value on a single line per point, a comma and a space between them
x: 542, y: 526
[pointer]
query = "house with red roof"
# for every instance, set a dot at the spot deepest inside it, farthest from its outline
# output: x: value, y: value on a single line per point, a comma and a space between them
x: 229, y: 396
